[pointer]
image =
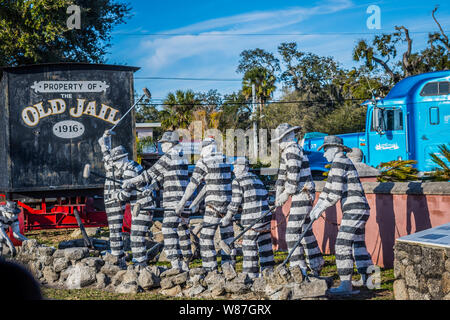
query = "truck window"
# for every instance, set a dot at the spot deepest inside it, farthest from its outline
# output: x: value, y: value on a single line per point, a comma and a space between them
x: 391, y: 119
x: 436, y: 89
x: 444, y: 88
x: 434, y: 115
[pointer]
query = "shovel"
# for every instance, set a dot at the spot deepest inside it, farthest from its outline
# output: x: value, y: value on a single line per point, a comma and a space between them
x: 226, y: 247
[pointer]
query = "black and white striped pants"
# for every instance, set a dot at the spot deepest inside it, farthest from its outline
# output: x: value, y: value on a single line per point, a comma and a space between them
x: 177, y: 242
x: 256, y: 247
x: 351, y: 245
x: 207, y: 248
x: 297, y: 221
x: 114, y: 214
x: 139, y: 230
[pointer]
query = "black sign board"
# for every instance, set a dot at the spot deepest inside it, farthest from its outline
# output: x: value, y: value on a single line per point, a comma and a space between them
x: 51, y: 117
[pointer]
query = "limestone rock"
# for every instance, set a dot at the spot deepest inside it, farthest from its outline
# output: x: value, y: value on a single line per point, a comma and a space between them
x: 236, y: 287
x: 316, y: 287
x: 259, y: 285
x: 29, y: 245
x: 228, y: 271
x: 173, y: 291
x: 181, y: 278
x: 170, y: 272
x: 75, y: 254
x: 197, y: 271
x: 80, y: 276
x: 110, y: 269
x: 46, y: 251
x: 166, y: 283
x: 411, y: 277
x: 296, y: 274
x: 127, y: 288
x: 118, y: 277
x: 36, y: 269
x: 102, y: 280
x: 94, y: 262
x: 112, y: 259
x: 157, y: 270
x: 434, y: 288
x: 433, y: 261
x: 445, y: 283
x: 217, y: 289
x: 147, y: 279
x: 59, y: 264
x: 49, y: 274
x: 214, y: 277
x: 194, y: 280
x: 447, y: 265
x: 58, y: 254
x: 130, y: 276
x: 195, y: 291
x: 46, y: 260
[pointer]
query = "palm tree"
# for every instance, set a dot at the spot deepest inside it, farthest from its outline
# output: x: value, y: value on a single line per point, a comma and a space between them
x: 178, y: 109
x: 264, y: 84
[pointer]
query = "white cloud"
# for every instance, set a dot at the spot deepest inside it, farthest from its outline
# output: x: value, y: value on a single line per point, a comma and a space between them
x: 161, y: 53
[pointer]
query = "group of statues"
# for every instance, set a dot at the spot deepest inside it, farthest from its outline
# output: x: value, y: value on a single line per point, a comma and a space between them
x: 228, y: 187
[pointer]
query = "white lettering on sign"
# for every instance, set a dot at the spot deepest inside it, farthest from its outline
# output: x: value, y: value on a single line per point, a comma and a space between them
x: 68, y: 129
x: 31, y: 115
x: 69, y: 86
x: 386, y: 146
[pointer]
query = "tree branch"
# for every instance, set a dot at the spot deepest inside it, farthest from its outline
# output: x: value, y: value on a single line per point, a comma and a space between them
x: 405, y: 61
x: 446, y: 42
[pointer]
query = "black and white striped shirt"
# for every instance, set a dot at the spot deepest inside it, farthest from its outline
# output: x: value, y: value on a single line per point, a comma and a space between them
x: 249, y: 191
x: 343, y: 184
x: 294, y: 173
x: 216, y: 173
x: 171, y: 172
x: 129, y: 170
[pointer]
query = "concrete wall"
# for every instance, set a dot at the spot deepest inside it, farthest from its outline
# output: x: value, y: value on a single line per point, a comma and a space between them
x: 396, y: 210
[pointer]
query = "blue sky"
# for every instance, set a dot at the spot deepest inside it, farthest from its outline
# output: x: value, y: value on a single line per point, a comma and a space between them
x: 199, y: 49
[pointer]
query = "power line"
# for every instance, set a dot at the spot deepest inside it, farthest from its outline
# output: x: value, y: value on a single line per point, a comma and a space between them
x: 282, y: 102
x: 247, y: 103
x: 258, y: 34
x: 186, y: 79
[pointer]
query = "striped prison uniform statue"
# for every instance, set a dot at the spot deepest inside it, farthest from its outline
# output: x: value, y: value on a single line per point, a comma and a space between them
x: 171, y: 172
x: 294, y: 177
x: 249, y: 191
x: 142, y: 222
x: 343, y: 184
x: 9, y: 219
x: 113, y: 207
x: 216, y: 173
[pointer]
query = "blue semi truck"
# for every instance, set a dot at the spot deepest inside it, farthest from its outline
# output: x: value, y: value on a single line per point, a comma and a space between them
x: 408, y: 124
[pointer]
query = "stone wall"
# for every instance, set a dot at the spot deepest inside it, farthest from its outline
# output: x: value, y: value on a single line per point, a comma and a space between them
x: 79, y: 267
x: 421, y: 272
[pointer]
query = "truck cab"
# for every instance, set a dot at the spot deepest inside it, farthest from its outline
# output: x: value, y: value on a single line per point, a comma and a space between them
x: 408, y: 124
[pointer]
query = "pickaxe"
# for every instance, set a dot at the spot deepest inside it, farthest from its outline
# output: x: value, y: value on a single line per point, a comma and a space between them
x: 296, y: 244
x: 146, y: 93
x: 226, y: 247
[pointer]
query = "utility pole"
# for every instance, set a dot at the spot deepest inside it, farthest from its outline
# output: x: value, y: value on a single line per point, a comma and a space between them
x: 255, y: 131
